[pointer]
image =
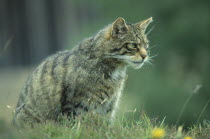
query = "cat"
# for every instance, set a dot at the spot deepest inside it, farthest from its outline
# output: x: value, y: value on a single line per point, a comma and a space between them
x: 89, y: 78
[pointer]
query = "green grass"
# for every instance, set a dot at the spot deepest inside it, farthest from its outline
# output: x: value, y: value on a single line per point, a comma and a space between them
x: 94, y: 127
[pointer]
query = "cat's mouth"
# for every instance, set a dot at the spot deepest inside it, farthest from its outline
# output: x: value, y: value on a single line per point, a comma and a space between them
x: 137, y: 62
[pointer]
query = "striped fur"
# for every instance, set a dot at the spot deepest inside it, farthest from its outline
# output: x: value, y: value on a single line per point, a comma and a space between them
x: 89, y: 78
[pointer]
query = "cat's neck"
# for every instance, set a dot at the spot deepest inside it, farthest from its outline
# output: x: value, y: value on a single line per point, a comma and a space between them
x: 113, y: 68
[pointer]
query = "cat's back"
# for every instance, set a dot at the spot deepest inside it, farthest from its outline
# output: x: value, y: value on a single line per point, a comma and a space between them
x: 42, y: 93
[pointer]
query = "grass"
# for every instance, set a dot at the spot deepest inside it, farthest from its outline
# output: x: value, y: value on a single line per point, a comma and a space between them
x: 94, y: 127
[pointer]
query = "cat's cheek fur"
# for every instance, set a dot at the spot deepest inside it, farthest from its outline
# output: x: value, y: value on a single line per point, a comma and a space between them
x: 138, y: 66
x: 135, y: 66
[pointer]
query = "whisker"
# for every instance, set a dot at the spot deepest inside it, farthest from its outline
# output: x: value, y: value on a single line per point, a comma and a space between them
x: 153, y: 56
x: 149, y: 62
x: 152, y: 47
x: 151, y: 29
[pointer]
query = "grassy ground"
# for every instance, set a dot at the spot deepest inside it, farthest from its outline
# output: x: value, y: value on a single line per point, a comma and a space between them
x: 89, y: 126
x: 95, y: 127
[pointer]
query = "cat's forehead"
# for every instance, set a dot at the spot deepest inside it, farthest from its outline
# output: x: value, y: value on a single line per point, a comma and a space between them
x: 136, y: 34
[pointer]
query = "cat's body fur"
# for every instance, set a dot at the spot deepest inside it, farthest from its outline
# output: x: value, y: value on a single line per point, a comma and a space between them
x: 87, y: 79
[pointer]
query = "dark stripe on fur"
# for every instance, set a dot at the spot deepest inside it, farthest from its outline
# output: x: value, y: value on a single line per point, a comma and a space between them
x: 64, y: 87
x: 116, y: 49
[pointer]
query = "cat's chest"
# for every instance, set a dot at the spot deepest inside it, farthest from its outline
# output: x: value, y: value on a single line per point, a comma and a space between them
x: 108, y: 103
x: 117, y: 78
x: 118, y: 74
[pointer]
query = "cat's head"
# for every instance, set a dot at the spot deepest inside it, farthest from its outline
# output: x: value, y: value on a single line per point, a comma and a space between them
x: 128, y: 42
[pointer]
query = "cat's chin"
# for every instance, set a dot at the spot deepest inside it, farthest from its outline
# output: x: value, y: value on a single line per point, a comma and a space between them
x: 135, y: 65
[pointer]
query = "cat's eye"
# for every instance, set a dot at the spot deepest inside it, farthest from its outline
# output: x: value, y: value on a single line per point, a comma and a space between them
x: 131, y: 45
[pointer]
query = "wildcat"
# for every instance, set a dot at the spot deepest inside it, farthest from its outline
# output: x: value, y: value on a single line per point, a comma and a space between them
x: 89, y: 78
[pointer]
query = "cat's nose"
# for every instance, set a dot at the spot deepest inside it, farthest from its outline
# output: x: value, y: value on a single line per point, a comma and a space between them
x: 143, y: 52
x: 143, y: 56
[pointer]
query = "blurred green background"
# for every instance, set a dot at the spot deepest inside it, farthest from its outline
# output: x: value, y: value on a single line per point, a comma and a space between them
x: 32, y: 30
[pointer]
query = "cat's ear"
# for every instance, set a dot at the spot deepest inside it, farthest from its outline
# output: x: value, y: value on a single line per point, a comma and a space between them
x: 144, y: 24
x: 119, y: 27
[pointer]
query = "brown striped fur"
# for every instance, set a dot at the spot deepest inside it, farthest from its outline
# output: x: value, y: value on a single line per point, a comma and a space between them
x: 89, y: 78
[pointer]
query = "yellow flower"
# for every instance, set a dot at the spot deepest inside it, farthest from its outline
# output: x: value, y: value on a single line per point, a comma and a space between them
x: 188, y: 137
x: 158, y: 133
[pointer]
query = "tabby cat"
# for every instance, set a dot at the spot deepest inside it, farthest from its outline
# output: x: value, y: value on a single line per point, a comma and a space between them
x: 89, y: 78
